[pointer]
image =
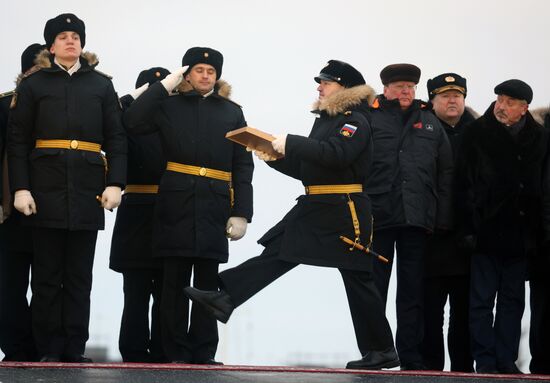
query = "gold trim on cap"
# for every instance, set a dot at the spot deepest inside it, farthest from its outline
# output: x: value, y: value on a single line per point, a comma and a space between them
x: 449, y: 87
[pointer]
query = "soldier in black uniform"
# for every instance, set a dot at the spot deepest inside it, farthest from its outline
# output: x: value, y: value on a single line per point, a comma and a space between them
x: 16, y: 339
x: 447, y: 266
x: 205, y: 192
x: 131, y: 246
x: 332, y: 163
x: 65, y: 113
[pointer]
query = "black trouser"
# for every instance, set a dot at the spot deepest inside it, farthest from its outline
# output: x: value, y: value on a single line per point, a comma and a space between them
x: 136, y: 342
x: 199, y: 342
x: 61, y: 285
x: 495, y: 343
x: 16, y: 339
x: 539, y: 333
x: 436, y: 291
x: 409, y: 244
x: 372, y: 330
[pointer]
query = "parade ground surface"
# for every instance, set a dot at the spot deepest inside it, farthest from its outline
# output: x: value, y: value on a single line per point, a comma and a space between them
x: 14, y: 372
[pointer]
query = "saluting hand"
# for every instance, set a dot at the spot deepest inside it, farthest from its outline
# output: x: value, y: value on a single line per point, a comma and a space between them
x: 279, y: 143
x: 24, y: 202
x: 138, y: 92
x: 171, y: 81
x: 235, y: 228
x: 111, y: 197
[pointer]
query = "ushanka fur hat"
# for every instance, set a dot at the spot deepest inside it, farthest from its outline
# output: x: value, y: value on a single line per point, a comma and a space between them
x: 63, y: 23
x: 151, y: 75
x: 203, y: 55
x: 400, y: 72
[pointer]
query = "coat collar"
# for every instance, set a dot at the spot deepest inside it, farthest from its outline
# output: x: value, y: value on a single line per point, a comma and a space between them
x: 344, y: 100
x: 221, y: 88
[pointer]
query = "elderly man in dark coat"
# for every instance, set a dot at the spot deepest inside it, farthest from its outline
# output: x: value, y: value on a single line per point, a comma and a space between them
x: 332, y: 163
x: 205, y: 194
x: 501, y: 191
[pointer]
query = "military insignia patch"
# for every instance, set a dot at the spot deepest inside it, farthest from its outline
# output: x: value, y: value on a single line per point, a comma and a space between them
x: 418, y: 125
x: 13, y: 102
x: 348, y: 130
x: 430, y: 127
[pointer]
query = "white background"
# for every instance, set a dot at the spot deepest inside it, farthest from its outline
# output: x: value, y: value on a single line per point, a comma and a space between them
x: 272, y: 50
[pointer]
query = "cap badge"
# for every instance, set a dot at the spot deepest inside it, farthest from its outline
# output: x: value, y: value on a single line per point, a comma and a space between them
x: 157, y: 74
x: 449, y: 79
x: 68, y: 20
x: 205, y: 54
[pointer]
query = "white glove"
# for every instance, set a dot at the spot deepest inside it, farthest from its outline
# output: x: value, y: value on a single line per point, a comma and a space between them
x: 279, y: 143
x: 264, y: 156
x: 137, y: 92
x: 24, y: 202
x: 111, y: 197
x: 235, y: 228
x: 171, y: 81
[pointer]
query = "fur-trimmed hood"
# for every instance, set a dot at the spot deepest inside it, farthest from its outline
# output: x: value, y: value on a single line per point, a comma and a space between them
x: 345, y: 99
x: 539, y: 114
x: 43, y: 60
x: 221, y: 87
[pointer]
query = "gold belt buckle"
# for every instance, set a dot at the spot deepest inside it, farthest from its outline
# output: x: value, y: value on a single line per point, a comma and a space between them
x: 74, y: 144
x: 202, y: 172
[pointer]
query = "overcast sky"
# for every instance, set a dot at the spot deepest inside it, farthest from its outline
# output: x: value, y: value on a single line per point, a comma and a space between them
x: 272, y: 51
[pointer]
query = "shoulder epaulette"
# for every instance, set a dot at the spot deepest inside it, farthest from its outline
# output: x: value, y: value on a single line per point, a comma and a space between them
x: 103, y: 74
x: 31, y: 71
x: 7, y: 94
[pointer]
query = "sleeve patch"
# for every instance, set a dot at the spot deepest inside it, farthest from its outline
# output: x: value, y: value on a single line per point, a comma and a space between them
x: 348, y: 130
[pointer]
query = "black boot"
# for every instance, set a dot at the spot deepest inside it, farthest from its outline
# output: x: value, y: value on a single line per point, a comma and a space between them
x: 376, y: 360
x: 217, y: 303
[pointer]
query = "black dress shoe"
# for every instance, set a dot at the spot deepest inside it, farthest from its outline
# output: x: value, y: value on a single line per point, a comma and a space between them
x: 50, y: 358
x: 509, y: 369
x: 376, y: 360
x: 486, y: 370
x: 413, y: 366
x: 210, y: 361
x: 76, y: 358
x: 217, y: 303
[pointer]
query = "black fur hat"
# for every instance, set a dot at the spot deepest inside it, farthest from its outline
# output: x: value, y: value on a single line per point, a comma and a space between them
x: 62, y: 23
x: 400, y: 72
x: 203, y: 55
x: 516, y: 89
x: 28, y: 56
x: 151, y: 75
x: 342, y: 73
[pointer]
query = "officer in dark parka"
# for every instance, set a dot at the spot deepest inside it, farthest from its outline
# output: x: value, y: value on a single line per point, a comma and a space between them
x: 131, y: 245
x: 501, y: 191
x: 16, y: 341
x: 410, y: 189
x: 64, y: 115
x: 204, y: 195
x: 447, y: 266
x: 332, y: 163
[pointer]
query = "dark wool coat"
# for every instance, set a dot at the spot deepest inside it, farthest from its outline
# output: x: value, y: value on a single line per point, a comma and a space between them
x: 443, y: 256
x: 310, y: 231
x: 191, y: 211
x: 411, y: 177
x: 131, y: 244
x: 500, y: 186
x: 64, y: 183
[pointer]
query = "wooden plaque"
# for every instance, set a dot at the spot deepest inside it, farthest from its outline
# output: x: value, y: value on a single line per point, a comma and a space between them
x: 254, y: 139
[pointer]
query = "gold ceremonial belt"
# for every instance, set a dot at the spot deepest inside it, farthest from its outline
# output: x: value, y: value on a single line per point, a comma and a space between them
x: 334, y: 189
x: 68, y: 144
x: 143, y: 189
x: 198, y: 171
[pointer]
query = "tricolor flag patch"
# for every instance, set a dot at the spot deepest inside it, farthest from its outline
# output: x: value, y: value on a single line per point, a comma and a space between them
x: 348, y: 130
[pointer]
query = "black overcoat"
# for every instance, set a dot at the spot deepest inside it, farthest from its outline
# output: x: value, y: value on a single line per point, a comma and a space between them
x: 500, y: 185
x: 328, y: 156
x: 191, y: 211
x: 131, y: 244
x: 64, y: 183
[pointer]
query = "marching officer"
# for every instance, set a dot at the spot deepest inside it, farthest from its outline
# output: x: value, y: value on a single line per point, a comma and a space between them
x: 63, y: 116
x: 204, y: 194
x: 332, y: 163
x: 131, y: 246
x: 16, y: 339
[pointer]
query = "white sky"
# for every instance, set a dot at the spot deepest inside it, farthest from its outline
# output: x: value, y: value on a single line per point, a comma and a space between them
x: 272, y: 51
